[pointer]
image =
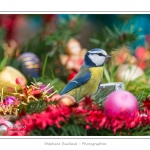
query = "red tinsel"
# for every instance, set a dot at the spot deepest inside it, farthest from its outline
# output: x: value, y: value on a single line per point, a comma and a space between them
x: 51, y: 116
x: 146, y: 103
x: 87, y: 111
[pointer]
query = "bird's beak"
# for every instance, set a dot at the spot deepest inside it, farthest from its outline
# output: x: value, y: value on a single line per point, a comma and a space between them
x: 108, y: 56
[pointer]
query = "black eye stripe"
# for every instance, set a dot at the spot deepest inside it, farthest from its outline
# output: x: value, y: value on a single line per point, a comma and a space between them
x: 100, y: 54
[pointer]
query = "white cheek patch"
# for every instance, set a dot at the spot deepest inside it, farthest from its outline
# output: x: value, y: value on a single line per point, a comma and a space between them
x: 97, y: 60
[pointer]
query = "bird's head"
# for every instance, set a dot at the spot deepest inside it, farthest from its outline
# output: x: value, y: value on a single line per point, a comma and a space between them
x: 95, y: 57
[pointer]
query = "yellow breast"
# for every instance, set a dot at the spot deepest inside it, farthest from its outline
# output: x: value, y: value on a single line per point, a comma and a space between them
x: 90, y: 87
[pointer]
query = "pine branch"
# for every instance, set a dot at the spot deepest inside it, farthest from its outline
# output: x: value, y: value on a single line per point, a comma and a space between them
x: 33, y: 107
x: 110, y: 39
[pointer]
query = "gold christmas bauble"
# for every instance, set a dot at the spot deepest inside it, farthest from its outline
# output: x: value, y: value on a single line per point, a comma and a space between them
x: 128, y: 72
x: 8, y: 79
x: 66, y: 100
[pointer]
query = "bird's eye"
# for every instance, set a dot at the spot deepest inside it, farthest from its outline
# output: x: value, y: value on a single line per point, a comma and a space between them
x: 100, y: 54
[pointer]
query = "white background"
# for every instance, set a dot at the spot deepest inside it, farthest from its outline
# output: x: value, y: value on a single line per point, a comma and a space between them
x: 77, y: 7
x: 121, y: 143
x: 74, y: 5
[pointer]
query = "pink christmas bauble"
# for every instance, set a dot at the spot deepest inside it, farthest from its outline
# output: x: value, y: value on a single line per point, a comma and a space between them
x: 121, y: 104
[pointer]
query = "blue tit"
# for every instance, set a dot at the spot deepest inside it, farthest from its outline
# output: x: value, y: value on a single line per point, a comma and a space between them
x: 89, y: 77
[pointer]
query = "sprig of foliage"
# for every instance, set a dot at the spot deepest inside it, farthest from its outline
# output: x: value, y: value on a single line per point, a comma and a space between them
x: 110, y: 39
x: 33, y: 107
x: 3, y: 63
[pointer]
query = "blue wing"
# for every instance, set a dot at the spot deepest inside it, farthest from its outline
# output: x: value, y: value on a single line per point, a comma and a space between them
x: 76, y: 82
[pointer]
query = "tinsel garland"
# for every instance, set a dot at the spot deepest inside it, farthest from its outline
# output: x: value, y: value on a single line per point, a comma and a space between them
x: 91, y: 114
x: 87, y: 113
x: 11, y: 102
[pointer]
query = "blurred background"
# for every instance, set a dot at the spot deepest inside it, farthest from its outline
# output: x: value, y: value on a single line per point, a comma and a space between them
x: 50, y: 48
